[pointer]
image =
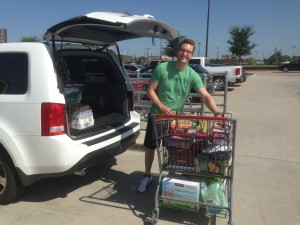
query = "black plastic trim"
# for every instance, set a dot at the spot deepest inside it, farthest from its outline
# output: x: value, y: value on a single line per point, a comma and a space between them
x: 112, y: 135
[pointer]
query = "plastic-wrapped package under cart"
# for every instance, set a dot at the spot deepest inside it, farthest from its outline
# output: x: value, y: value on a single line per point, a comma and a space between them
x: 196, y: 162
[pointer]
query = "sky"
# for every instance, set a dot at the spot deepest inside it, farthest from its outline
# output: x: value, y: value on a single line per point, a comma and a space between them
x: 275, y: 22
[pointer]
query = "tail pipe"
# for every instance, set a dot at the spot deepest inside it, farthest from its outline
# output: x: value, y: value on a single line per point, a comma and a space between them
x: 81, y: 172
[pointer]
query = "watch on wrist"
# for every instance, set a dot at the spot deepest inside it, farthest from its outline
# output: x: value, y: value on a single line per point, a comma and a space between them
x: 218, y: 114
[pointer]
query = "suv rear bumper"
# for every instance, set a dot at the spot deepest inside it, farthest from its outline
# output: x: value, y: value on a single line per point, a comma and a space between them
x: 88, y: 160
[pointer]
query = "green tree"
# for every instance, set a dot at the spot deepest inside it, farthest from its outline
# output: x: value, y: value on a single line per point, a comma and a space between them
x: 30, y: 39
x: 172, y: 46
x: 141, y: 60
x: 251, y: 61
x: 239, y: 40
x: 277, y: 57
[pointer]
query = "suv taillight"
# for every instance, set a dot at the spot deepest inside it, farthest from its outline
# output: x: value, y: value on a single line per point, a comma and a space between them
x: 53, y: 119
x: 237, y: 71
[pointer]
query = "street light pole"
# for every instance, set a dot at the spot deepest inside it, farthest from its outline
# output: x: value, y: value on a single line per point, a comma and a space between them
x: 148, y: 55
x: 293, y: 50
x: 160, y: 49
x: 207, y: 28
x: 199, y: 43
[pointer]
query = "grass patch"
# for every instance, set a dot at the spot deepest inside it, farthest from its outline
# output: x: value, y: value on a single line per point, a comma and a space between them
x: 260, y: 67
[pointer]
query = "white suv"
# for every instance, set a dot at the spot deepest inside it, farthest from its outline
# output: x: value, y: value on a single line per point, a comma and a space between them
x: 68, y: 102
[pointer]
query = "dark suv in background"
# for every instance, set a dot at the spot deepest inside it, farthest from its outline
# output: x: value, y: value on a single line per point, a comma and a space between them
x: 292, y: 66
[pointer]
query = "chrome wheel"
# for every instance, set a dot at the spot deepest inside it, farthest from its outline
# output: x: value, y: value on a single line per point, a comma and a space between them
x: 219, y: 83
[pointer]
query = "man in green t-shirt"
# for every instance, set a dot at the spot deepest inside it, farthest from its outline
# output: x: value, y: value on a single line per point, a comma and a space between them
x: 169, y: 87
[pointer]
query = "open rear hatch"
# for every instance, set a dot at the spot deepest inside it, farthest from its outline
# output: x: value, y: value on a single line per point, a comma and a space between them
x: 93, y: 82
x: 109, y: 27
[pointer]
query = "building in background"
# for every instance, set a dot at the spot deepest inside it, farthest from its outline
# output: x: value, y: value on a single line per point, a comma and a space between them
x: 3, y: 35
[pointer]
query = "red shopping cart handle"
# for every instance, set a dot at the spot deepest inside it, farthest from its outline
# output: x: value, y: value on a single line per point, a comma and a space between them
x: 179, y: 116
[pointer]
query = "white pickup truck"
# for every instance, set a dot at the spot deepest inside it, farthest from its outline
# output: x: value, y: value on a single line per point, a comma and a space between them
x: 234, y: 73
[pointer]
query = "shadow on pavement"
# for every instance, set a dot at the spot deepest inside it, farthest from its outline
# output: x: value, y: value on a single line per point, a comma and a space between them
x: 121, y: 193
x: 117, y: 190
x: 60, y: 187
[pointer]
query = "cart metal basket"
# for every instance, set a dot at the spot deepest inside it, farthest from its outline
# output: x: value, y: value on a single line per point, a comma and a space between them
x: 196, y: 162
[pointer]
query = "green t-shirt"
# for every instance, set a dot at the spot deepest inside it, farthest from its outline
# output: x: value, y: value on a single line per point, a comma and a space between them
x: 174, y: 85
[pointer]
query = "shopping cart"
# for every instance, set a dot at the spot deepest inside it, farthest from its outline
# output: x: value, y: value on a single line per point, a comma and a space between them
x: 196, y: 162
x: 142, y: 103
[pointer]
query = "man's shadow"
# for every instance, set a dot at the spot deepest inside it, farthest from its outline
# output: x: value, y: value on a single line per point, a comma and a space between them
x: 117, y: 190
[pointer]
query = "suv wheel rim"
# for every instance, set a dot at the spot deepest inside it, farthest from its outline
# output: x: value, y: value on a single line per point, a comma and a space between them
x: 2, y: 178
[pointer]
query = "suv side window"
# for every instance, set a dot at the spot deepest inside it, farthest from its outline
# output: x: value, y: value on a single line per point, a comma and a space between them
x: 13, y: 73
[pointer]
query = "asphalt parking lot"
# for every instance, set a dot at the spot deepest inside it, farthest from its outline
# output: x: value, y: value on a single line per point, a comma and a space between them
x: 266, y: 180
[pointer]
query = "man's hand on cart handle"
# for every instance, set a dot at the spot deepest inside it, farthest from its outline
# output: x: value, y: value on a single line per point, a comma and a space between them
x: 167, y: 110
x: 218, y: 114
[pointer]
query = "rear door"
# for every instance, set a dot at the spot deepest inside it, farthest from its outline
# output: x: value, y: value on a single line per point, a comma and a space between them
x: 109, y: 27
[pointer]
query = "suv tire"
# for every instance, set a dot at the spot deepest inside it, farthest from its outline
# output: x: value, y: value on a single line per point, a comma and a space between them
x: 285, y: 69
x: 10, y: 186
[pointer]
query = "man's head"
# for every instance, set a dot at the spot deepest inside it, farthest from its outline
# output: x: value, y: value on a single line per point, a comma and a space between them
x: 187, y: 41
x: 185, y: 51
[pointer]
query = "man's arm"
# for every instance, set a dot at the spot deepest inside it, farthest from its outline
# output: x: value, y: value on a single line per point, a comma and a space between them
x: 154, y: 98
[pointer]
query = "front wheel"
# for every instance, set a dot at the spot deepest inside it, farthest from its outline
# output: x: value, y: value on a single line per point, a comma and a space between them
x: 10, y: 187
x: 154, y: 217
x: 285, y: 69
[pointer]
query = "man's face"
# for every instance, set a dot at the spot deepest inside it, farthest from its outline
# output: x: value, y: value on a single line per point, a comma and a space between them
x: 185, y: 53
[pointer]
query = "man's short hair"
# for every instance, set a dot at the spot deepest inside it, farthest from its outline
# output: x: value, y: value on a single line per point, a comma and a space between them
x: 187, y: 41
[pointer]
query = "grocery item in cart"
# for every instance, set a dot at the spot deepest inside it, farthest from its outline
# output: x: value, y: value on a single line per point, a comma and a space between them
x: 214, y: 196
x: 180, y: 151
x: 181, y: 126
x: 218, y: 150
x: 212, y: 166
x: 178, y: 142
x: 215, y: 158
x: 181, y: 189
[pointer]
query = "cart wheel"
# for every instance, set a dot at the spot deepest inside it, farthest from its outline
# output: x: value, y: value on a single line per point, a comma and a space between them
x: 154, y: 218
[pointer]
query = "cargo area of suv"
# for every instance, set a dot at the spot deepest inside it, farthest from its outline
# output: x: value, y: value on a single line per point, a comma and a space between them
x: 93, y: 87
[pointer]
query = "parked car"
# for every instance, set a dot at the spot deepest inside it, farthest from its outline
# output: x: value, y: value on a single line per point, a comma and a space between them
x: 132, y: 67
x: 210, y: 87
x: 292, y: 66
x: 147, y: 71
x: 156, y: 62
x: 140, y: 66
x: 69, y: 102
